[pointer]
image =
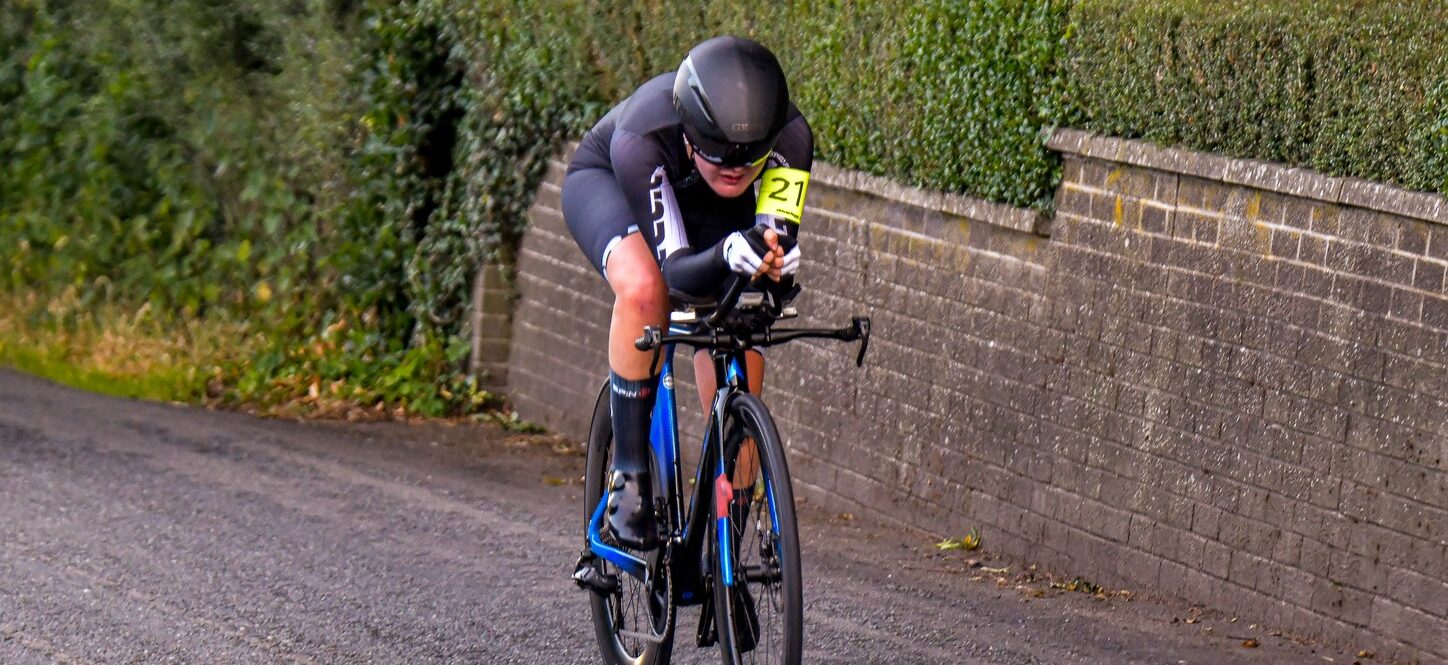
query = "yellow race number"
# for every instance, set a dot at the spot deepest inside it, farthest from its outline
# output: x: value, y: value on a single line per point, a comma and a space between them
x: 781, y: 193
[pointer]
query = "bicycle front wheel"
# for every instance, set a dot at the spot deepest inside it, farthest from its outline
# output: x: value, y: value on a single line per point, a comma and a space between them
x: 634, y: 624
x: 758, y: 604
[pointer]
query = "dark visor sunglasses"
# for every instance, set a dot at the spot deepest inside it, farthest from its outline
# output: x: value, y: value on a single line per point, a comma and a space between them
x: 735, y: 155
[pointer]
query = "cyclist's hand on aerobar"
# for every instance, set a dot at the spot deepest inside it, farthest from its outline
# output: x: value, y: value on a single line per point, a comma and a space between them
x: 789, y: 265
x: 758, y: 252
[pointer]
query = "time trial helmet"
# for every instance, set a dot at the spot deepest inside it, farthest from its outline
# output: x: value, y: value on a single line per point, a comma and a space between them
x: 732, y: 97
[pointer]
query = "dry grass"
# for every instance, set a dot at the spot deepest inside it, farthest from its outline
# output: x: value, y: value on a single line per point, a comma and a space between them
x: 117, y: 351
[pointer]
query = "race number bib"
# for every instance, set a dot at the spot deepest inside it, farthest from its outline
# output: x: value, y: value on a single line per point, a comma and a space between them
x: 781, y: 193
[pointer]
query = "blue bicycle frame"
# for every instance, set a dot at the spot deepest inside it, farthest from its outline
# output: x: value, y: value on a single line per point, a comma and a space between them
x: 664, y: 440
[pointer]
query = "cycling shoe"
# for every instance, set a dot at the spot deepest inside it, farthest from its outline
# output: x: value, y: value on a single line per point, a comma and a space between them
x: 746, y: 618
x: 631, y: 510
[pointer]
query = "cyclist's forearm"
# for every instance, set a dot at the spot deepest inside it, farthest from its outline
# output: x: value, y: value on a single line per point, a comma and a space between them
x: 697, y: 273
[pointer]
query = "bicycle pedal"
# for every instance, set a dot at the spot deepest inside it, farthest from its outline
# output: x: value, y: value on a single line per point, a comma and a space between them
x: 588, y: 577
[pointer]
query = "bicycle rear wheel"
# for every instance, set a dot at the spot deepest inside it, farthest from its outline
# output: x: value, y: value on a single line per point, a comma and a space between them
x: 760, y: 618
x: 635, y: 625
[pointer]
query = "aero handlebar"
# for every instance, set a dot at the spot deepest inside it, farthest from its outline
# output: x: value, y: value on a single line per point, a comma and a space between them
x: 859, y: 329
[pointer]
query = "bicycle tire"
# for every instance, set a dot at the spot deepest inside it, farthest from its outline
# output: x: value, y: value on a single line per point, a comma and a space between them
x: 632, y: 601
x: 769, y: 552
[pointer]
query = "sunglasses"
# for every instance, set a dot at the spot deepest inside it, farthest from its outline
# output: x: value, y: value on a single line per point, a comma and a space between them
x: 728, y: 161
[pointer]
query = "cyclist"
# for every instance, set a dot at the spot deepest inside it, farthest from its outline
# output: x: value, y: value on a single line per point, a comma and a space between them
x: 661, y: 197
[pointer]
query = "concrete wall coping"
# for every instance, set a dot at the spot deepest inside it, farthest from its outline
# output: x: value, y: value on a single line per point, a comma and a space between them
x: 1269, y: 176
x: 1024, y: 220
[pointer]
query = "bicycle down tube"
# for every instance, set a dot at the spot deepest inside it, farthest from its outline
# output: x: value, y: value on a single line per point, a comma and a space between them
x: 664, y: 441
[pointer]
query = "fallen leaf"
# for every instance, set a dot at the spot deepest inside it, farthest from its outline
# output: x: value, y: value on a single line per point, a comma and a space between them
x: 566, y: 448
x: 969, y: 542
x: 1079, y: 585
x: 1250, y: 644
x: 995, y: 571
x: 1366, y: 654
x: 1191, y: 619
x: 555, y: 482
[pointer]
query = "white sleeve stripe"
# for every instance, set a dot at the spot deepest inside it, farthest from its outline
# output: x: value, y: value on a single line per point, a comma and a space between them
x: 668, y: 223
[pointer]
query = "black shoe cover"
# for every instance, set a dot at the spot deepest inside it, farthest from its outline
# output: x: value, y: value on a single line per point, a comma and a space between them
x: 746, y: 619
x: 631, y: 510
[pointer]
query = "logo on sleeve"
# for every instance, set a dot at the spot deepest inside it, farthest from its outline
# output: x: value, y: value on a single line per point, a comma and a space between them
x: 668, y: 224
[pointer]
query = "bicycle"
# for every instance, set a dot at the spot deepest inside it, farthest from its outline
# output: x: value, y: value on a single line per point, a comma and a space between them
x: 747, y: 581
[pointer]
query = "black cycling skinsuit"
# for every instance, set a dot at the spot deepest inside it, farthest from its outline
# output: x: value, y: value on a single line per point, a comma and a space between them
x: 632, y: 173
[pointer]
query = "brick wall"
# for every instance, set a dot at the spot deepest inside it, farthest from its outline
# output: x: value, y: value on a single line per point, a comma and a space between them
x: 491, y: 325
x: 1213, y: 379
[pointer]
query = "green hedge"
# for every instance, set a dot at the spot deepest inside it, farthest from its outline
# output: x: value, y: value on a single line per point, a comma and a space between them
x: 330, y: 173
x: 947, y: 94
x: 1348, y: 88
x: 185, y: 173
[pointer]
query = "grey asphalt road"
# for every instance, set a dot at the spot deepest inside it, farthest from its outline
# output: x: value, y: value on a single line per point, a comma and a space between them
x: 147, y: 533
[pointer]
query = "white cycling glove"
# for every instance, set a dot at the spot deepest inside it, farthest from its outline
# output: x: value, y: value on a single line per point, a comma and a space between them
x: 741, y: 255
x: 791, y: 261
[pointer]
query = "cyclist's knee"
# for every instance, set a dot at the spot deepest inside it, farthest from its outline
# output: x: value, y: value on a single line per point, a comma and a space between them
x: 640, y: 292
x: 635, y: 279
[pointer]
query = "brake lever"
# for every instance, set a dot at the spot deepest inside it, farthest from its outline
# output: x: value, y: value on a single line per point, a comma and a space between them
x: 862, y: 330
x: 651, y: 339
